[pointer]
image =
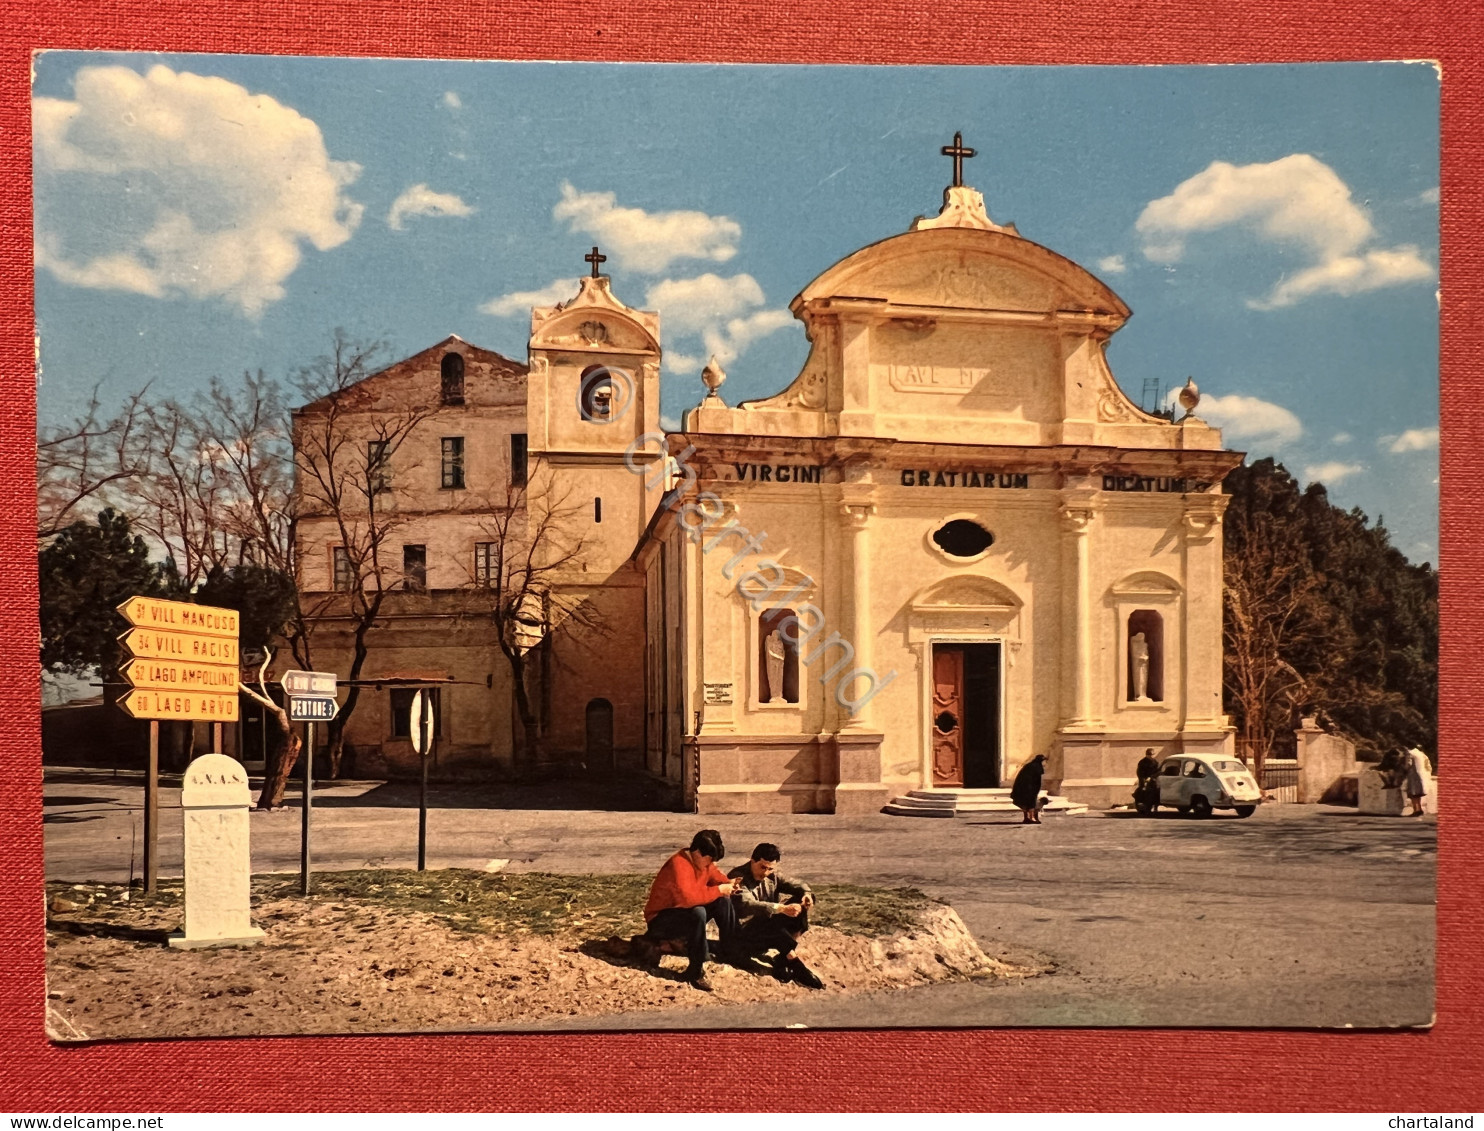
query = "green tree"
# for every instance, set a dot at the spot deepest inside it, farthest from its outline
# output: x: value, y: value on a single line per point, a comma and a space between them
x: 264, y: 597
x: 86, y: 572
x: 1324, y: 614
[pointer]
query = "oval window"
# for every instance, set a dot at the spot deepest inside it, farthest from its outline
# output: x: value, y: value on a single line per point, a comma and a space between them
x: 963, y: 538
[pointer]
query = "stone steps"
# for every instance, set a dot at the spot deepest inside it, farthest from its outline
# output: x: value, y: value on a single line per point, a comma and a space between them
x: 964, y: 802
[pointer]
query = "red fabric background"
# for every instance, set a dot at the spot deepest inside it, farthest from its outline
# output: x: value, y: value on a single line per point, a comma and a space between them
x: 884, y: 1069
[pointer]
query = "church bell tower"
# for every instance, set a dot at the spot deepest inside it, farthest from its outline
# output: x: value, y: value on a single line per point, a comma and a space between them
x: 594, y: 391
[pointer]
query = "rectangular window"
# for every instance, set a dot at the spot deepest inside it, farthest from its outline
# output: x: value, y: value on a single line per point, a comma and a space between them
x: 401, y: 704
x: 517, y: 459
x: 453, y: 462
x: 484, y: 563
x: 597, y: 509
x: 415, y: 569
x: 378, y: 466
x: 344, y: 577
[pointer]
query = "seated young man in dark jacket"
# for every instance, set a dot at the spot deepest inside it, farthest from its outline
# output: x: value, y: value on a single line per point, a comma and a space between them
x: 688, y: 891
x: 774, y: 914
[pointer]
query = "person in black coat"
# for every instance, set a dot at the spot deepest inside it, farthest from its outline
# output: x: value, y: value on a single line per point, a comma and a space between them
x: 1026, y: 791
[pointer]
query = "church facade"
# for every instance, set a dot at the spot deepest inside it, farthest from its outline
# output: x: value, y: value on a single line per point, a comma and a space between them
x: 949, y: 544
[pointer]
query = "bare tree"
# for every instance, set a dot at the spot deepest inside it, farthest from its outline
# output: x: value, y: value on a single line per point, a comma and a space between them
x: 249, y: 432
x: 526, y: 581
x: 344, y: 454
x: 276, y: 777
x: 186, y: 491
x: 88, y: 460
x: 1267, y: 603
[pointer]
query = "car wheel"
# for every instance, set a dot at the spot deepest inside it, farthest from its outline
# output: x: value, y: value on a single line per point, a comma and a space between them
x: 1200, y: 806
x: 1246, y: 810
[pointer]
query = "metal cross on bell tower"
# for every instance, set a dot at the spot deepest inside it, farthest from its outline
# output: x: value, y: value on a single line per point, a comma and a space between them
x: 594, y: 258
x: 958, y: 151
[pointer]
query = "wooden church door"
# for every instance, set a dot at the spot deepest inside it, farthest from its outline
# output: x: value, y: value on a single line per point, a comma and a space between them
x: 948, y: 715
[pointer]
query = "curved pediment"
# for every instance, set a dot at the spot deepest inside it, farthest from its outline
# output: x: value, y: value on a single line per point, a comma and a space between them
x: 966, y: 593
x: 961, y: 268
x: 595, y: 321
x: 1145, y: 583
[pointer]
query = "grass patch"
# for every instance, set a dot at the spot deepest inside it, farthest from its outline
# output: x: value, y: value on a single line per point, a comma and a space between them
x: 501, y: 903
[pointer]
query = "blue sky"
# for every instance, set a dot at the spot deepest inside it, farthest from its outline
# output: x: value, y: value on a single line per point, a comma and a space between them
x: 1273, y: 228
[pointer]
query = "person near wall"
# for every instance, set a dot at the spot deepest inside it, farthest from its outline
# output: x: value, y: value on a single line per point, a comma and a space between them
x: 689, y: 892
x: 774, y: 914
x: 1026, y: 790
x: 1419, y: 778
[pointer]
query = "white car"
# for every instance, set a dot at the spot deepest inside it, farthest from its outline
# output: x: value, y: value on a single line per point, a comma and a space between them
x: 1200, y: 785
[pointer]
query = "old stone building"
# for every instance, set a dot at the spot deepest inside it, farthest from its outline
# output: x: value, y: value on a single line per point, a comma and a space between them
x: 949, y: 544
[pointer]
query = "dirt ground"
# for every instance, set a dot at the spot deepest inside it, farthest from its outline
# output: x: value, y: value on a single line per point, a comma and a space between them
x: 403, y: 952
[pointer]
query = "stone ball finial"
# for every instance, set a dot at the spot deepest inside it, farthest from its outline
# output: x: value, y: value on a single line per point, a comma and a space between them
x: 713, y: 376
x: 1190, y: 396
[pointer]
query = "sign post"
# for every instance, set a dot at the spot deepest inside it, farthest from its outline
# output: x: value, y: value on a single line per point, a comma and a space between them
x: 308, y: 806
x: 183, y: 665
x: 311, y: 700
x: 422, y: 724
x: 151, y: 811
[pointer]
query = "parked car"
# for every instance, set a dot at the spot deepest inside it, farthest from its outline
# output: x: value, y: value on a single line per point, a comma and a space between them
x: 1200, y: 785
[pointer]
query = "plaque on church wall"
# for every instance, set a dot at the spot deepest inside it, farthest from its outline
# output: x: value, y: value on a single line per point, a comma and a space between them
x: 718, y: 694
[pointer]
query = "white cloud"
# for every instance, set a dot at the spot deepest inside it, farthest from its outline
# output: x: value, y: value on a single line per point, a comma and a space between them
x: 1350, y: 275
x: 690, y: 305
x: 1248, y: 420
x: 647, y: 242
x: 1297, y: 202
x: 452, y: 100
x: 420, y: 200
x: 669, y: 423
x: 1412, y: 440
x: 1430, y: 196
x: 1332, y: 472
x: 719, y: 311
x: 1341, y: 438
x: 1112, y: 265
x: 726, y: 343
x: 520, y: 302
x: 176, y: 184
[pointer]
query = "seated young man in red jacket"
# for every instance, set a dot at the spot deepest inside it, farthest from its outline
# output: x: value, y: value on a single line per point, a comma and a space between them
x: 689, y: 890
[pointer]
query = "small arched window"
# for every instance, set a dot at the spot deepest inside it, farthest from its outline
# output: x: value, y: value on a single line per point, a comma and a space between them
x: 452, y: 388
x: 1146, y: 657
x: 599, y: 390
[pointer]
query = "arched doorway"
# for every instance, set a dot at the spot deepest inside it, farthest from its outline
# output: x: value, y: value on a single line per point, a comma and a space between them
x: 599, y: 745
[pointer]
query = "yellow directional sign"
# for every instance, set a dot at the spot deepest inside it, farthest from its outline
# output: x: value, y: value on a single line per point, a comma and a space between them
x: 148, y: 703
x: 184, y: 661
x: 180, y: 616
x: 152, y: 644
x: 168, y: 675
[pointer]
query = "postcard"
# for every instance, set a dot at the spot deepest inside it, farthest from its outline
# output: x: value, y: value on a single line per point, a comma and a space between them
x: 530, y: 545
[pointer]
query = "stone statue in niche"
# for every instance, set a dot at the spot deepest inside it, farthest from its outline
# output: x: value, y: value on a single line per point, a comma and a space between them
x: 775, y: 651
x: 1138, y: 650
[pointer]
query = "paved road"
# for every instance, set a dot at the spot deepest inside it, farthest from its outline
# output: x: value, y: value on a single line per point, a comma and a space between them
x: 1297, y: 916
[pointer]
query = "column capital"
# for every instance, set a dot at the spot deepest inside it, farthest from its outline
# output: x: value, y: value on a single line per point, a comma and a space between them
x: 1202, y: 516
x: 1077, y: 518
x: 857, y: 514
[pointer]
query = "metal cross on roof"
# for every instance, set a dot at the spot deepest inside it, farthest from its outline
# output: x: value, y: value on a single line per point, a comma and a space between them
x: 958, y: 151
x: 594, y: 258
